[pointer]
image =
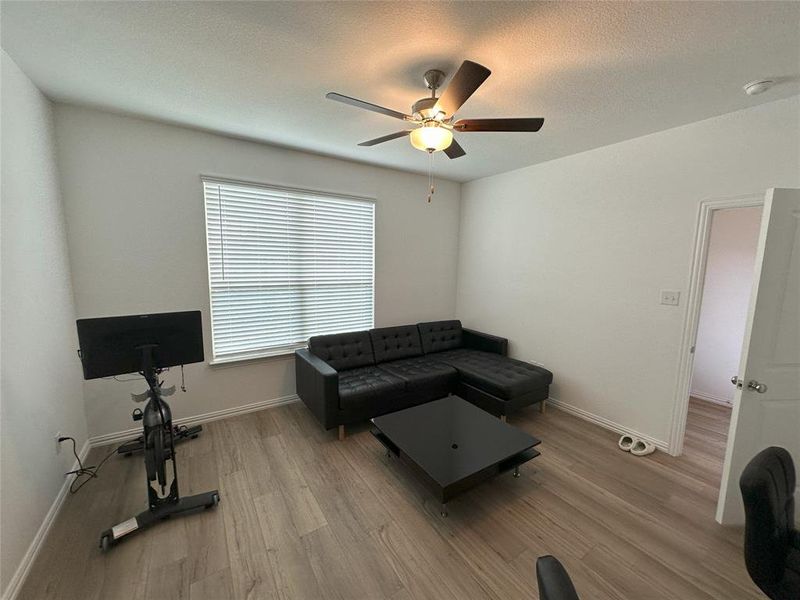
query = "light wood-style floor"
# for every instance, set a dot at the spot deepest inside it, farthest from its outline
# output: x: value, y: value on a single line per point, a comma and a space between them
x: 306, y: 516
x: 706, y: 437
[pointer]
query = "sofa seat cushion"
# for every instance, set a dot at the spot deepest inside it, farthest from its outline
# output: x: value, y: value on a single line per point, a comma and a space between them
x: 422, y: 373
x: 449, y: 355
x: 368, y: 385
x: 499, y: 375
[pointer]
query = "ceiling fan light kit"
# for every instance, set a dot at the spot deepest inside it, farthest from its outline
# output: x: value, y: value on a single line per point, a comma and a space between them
x: 431, y: 137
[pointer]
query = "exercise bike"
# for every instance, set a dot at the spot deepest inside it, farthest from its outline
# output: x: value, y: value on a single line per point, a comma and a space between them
x: 159, y: 454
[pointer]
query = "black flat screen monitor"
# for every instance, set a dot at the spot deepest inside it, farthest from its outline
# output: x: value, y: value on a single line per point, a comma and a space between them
x: 113, y: 345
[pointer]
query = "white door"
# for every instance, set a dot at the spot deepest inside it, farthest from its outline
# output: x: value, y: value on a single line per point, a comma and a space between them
x: 766, y: 408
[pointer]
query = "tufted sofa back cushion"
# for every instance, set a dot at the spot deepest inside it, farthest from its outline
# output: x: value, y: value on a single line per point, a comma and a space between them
x: 438, y: 336
x: 393, y: 343
x: 343, y: 351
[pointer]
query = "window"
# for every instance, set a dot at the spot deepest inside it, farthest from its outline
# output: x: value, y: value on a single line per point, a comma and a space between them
x: 284, y: 265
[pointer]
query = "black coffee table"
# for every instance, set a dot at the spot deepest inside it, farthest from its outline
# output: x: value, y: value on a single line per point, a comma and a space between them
x: 453, y: 445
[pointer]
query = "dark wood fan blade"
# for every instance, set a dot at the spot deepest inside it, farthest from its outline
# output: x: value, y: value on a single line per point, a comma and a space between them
x: 498, y: 124
x: 467, y: 79
x: 386, y: 138
x: 368, y: 106
x: 454, y: 150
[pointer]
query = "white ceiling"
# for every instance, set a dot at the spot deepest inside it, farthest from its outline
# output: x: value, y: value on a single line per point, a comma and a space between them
x: 598, y: 72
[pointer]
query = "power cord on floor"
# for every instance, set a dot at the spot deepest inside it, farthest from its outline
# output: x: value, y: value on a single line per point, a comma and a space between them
x: 88, y: 472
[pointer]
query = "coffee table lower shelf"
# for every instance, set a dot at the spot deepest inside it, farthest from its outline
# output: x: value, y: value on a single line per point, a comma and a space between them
x: 445, y: 493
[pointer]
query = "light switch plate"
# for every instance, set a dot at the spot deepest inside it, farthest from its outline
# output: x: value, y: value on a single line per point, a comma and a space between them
x: 670, y: 297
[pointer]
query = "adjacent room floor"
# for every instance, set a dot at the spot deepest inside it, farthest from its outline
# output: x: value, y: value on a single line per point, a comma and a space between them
x: 306, y: 516
x: 706, y: 437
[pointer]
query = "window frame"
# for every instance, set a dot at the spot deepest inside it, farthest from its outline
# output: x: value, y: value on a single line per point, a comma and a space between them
x: 287, y: 350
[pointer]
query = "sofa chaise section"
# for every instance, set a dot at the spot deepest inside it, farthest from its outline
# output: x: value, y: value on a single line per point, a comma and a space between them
x: 498, y: 384
x: 487, y: 377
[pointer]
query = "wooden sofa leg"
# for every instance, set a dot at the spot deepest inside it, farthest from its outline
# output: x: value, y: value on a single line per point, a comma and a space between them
x: 503, y: 418
x: 543, y: 406
x: 342, y: 433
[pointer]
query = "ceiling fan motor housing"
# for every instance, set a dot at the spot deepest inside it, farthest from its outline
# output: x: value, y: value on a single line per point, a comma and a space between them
x: 424, y: 108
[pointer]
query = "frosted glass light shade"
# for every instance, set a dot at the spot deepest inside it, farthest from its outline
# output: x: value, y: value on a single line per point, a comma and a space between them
x: 431, y: 138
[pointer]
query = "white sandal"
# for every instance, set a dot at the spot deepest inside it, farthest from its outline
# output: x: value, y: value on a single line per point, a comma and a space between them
x: 626, y: 443
x: 642, y: 448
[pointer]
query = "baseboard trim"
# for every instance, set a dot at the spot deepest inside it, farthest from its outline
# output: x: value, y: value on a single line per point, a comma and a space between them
x: 130, y: 434
x: 709, y: 398
x: 15, y: 584
x: 606, y: 423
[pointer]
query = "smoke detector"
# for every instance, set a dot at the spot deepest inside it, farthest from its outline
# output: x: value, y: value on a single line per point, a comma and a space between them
x: 758, y: 87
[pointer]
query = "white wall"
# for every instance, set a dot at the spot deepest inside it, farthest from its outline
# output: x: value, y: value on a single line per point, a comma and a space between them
x: 134, y: 207
x: 41, y: 391
x: 726, y: 296
x: 567, y: 258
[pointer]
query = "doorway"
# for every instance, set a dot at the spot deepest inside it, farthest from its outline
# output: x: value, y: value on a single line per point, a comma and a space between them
x: 727, y: 283
x: 709, y: 413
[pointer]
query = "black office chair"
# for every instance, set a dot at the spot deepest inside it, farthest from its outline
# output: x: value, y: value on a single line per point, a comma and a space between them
x: 554, y: 582
x: 771, y: 542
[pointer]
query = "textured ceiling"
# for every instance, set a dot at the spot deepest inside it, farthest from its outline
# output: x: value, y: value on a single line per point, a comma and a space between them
x: 598, y: 72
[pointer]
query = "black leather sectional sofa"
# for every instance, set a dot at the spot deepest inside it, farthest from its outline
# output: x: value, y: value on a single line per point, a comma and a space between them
x: 352, y: 377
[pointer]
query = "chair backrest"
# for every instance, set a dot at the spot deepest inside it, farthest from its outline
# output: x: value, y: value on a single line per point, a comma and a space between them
x: 767, y: 484
x: 553, y: 579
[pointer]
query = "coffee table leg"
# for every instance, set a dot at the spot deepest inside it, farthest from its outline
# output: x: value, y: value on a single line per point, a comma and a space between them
x: 516, y: 471
x: 444, y: 510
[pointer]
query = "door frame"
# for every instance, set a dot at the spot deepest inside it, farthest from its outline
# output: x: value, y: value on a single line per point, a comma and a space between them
x: 694, y: 297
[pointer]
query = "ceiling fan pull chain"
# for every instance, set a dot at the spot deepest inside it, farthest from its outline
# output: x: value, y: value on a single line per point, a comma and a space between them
x: 430, y: 176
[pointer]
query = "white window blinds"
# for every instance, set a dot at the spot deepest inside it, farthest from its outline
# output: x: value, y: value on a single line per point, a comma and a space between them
x: 285, y: 265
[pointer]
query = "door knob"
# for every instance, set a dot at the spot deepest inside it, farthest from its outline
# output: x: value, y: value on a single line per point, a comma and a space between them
x: 759, y: 387
x: 736, y: 381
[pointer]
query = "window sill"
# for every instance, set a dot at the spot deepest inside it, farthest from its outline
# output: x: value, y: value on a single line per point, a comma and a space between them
x: 281, y: 354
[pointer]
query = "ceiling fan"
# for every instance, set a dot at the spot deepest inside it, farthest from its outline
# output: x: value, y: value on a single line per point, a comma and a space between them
x: 433, y: 117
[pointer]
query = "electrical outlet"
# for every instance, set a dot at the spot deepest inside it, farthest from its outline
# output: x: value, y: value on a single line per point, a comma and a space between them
x: 58, y: 443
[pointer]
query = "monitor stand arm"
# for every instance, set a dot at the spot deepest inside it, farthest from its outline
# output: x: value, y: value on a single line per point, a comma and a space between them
x: 179, y: 433
x: 158, y: 442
